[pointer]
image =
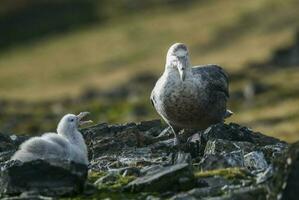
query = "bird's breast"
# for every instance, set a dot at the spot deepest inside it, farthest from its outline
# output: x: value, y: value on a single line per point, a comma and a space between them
x: 180, y: 100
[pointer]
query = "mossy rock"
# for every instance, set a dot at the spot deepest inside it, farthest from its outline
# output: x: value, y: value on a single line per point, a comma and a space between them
x: 228, y: 173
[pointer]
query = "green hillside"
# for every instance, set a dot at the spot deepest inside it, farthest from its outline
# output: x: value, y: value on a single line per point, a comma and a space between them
x: 110, y: 53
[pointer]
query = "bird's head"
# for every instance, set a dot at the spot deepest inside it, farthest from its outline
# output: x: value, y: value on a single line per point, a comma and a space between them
x: 178, y: 57
x: 70, y: 122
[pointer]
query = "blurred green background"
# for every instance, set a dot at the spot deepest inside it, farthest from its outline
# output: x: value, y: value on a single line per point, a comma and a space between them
x: 104, y: 56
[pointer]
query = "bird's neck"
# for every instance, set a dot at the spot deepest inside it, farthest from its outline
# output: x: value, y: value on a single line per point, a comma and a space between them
x: 75, y: 138
x: 173, y: 72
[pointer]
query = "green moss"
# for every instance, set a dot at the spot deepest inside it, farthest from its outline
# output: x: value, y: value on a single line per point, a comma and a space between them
x: 117, y: 185
x: 228, y: 173
x: 111, y: 190
x: 93, y: 176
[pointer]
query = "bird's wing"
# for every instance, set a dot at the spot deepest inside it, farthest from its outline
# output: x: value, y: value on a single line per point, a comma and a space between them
x: 153, y: 94
x: 152, y: 98
x: 40, y: 148
x: 56, y: 139
x: 215, y: 77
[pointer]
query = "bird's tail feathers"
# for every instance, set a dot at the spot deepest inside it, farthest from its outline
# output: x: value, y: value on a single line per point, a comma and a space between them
x: 228, y: 114
x: 24, y: 156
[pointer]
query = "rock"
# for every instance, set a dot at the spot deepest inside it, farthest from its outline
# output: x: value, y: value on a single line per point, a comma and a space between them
x: 141, y: 157
x: 255, y: 161
x: 244, y: 193
x: 104, y: 138
x: 271, y: 152
x: 89, y: 189
x: 264, y: 175
x: 147, y: 125
x: 151, y: 169
x: 55, y: 179
x: 235, y: 132
x: 218, y: 146
x: 182, y: 157
x: 221, y: 138
x: 103, y: 163
x: 31, y: 195
x: 224, y: 160
x: 196, y: 145
x: 145, y: 150
x: 9, y: 144
x: 166, y: 133
x: 6, y: 155
x: 6, y: 143
x: 126, y: 171
x: 150, y: 197
x: 198, y: 193
x: 215, y: 181
x: 165, y: 145
x: 291, y: 185
x: 235, y: 158
x: 174, y: 177
x: 131, y: 171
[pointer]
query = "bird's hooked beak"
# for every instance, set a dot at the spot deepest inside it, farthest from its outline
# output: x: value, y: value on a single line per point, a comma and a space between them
x: 80, y: 118
x: 182, y: 65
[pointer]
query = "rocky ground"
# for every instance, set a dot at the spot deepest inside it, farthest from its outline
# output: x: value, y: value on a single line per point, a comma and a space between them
x: 139, y: 161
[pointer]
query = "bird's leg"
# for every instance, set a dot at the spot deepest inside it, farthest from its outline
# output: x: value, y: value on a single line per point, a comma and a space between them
x: 196, y: 143
x: 176, y: 131
x: 177, y: 143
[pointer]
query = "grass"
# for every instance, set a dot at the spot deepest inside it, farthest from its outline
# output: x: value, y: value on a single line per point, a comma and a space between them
x: 275, y: 111
x: 228, y: 173
x: 93, y: 176
x: 231, y: 33
x: 117, y: 185
x: 109, y: 54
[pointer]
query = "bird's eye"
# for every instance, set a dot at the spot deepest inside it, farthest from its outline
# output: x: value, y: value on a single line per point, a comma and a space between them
x: 71, y: 120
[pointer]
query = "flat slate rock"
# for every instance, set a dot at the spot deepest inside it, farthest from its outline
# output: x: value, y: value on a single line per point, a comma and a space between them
x: 163, y: 179
x: 224, y: 160
x: 244, y: 193
x: 51, y: 179
x: 236, y: 132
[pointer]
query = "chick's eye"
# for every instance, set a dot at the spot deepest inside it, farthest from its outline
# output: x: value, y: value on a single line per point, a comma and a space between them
x: 71, y: 120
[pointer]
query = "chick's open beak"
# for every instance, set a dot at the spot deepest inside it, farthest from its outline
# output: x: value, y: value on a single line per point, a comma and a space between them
x: 81, y: 116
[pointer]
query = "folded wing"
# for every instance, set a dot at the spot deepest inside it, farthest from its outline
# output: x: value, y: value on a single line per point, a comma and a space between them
x: 214, y: 76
